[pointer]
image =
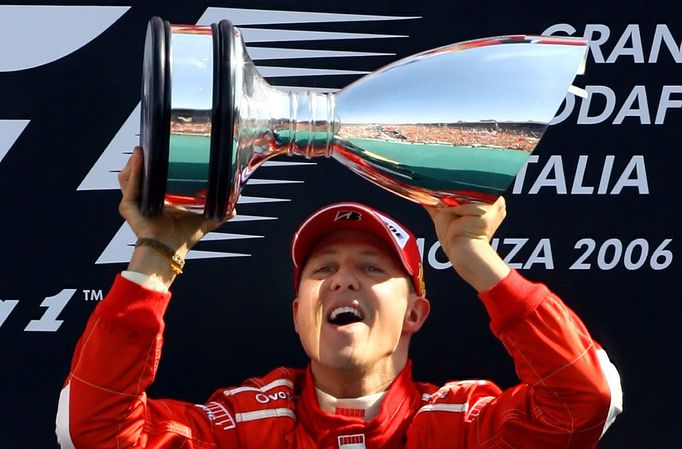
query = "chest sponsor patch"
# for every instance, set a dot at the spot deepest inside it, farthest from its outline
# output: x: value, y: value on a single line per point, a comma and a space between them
x: 356, y: 441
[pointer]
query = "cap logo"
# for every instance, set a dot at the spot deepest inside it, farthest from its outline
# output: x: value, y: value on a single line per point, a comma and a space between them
x: 351, y: 215
x: 396, y: 232
x: 399, y: 234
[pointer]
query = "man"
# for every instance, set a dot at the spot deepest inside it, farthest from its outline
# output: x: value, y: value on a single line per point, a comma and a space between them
x: 360, y: 296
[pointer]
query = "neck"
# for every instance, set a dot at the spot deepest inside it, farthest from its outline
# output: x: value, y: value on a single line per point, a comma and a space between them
x: 355, y: 382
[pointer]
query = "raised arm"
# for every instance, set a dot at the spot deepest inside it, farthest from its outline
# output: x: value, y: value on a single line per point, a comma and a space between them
x: 569, y: 392
x: 177, y: 230
x: 464, y: 233
x: 103, y: 403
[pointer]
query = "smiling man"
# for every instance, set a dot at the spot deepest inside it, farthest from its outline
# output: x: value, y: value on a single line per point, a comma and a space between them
x: 360, y: 296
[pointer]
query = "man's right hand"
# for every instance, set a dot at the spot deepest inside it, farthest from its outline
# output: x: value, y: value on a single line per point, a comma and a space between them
x: 175, y: 227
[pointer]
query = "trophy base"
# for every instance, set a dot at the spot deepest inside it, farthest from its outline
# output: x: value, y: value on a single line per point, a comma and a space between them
x: 155, y: 136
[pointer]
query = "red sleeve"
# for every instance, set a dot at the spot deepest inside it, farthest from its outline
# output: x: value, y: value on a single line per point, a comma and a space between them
x: 103, y: 403
x: 568, y: 394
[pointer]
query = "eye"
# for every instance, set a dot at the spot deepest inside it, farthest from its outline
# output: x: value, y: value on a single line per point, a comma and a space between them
x: 371, y: 268
x: 324, y: 269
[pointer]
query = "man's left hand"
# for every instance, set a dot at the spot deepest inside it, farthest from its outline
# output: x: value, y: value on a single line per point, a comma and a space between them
x: 464, y: 233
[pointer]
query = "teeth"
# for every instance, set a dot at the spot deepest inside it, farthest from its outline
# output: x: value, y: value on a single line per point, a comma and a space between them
x: 339, y: 310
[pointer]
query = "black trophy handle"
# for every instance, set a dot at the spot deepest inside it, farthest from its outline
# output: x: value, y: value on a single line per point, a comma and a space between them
x: 155, y: 115
x: 221, y: 163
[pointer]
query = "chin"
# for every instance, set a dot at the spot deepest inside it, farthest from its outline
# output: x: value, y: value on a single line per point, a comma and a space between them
x: 344, y: 359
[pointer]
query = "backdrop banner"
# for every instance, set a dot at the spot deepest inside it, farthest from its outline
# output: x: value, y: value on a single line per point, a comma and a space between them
x: 590, y: 213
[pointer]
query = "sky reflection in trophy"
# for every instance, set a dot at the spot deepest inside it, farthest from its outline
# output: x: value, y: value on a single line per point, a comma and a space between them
x: 449, y: 125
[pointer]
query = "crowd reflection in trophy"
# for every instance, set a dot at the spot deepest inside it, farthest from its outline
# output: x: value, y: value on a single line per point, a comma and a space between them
x: 486, y: 133
x: 513, y: 136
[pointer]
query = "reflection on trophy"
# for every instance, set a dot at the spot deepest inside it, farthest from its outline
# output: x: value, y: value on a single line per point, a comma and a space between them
x: 450, y: 125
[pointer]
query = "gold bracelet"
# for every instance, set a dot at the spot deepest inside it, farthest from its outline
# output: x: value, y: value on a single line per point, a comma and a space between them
x: 176, y: 262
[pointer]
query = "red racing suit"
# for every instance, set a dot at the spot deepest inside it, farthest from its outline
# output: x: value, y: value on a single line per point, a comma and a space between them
x: 569, y: 392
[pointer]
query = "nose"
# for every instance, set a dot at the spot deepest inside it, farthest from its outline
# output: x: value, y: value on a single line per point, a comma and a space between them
x: 344, y: 278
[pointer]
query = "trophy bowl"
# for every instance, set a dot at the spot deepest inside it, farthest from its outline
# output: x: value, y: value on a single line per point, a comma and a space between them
x: 449, y: 125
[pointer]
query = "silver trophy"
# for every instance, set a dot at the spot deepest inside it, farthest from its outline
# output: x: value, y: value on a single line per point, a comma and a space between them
x: 449, y: 125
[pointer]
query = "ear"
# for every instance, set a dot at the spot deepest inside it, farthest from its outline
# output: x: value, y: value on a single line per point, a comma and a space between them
x: 294, y: 309
x: 417, y: 311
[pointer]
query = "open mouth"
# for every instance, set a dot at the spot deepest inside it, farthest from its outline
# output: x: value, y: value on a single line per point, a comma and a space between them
x: 345, y: 315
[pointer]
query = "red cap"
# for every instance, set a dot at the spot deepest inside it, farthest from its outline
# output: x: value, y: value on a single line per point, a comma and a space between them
x: 350, y: 215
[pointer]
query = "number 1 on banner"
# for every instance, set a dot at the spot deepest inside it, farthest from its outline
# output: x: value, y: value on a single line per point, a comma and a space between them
x: 55, y: 304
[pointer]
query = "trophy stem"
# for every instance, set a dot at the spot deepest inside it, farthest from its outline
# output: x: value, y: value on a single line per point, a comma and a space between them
x: 311, y: 124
